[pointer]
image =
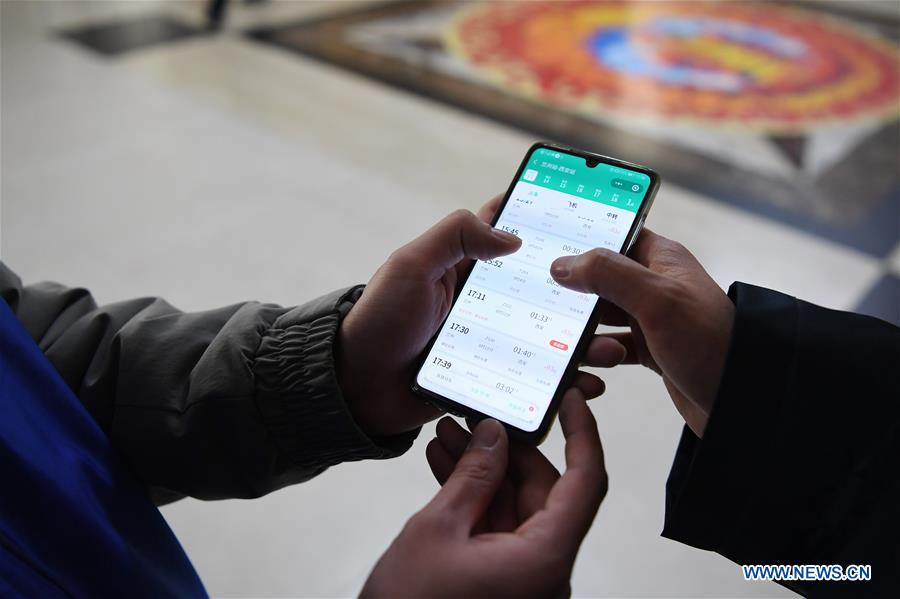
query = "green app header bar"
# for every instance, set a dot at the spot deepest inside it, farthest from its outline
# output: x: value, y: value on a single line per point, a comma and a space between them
x: 604, y: 183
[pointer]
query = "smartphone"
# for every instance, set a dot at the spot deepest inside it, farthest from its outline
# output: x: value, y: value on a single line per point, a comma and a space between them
x: 513, y: 338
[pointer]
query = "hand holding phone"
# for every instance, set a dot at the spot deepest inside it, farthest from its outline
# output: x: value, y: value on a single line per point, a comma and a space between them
x: 680, y: 318
x: 383, y: 335
x: 512, y: 341
x: 504, y: 523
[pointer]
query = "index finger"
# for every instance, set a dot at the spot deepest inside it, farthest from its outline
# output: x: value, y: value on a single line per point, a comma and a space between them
x: 458, y: 236
x: 485, y: 213
x: 575, y: 498
x: 533, y: 476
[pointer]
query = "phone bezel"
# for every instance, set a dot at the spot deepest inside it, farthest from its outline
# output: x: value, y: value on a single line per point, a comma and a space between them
x: 537, y: 436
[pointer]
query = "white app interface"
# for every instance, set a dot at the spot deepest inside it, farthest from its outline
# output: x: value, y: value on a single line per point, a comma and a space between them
x: 512, y: 331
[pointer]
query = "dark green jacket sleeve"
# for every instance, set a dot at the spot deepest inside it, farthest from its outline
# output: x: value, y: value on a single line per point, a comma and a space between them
x: 233, y: 402
x: 800, y: 460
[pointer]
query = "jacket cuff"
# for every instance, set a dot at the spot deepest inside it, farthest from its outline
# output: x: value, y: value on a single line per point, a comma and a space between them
x: 297, y: 391
x: 714, y: 480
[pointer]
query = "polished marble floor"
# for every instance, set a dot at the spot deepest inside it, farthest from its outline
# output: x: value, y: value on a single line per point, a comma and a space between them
x: 214, y: 169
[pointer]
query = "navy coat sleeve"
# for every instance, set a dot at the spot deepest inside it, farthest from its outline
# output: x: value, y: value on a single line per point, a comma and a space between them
x: 800, y: 460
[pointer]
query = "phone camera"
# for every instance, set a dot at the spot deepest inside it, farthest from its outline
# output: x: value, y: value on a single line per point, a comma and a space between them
x: 591, y: 162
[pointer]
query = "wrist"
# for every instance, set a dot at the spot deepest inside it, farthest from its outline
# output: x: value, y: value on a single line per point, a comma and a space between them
x: 348, y: 381
x: 720, y: 350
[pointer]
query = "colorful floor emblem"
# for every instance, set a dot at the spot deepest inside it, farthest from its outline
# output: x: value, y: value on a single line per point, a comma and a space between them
x: 751, y: 65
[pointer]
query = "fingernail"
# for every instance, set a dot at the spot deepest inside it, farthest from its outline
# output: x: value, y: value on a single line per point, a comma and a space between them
x: 562, y: 267
x: 486, y: 434
x: 506, y: 236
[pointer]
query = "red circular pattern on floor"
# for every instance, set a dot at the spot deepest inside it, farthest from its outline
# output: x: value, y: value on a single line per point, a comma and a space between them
x: 747, y: 64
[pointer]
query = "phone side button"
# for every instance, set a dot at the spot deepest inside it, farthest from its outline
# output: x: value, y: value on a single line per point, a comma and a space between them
x: 640, y: 226
x: 637, y: 233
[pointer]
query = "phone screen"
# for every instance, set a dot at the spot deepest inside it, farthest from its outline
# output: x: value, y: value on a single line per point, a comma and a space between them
x: 512, y: 331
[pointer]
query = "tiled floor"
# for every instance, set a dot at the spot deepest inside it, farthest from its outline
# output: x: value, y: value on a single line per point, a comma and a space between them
x: 206, y: 170
x: 825, y: 165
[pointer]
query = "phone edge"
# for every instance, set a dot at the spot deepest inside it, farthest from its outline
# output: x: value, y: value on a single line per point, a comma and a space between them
x: 537, y: 436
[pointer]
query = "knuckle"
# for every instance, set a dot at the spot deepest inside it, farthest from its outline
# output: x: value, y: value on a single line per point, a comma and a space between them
x: 429, y: 521
x: 604, y: 484
x: 669, y: 254
x: 676, y: 248
x: 403, y: 260
x: 395, y: 261
x: 591, y: 263
x: 595, y: 254
x: 462, y: 217
x: 396, y: 256
x: 479, y: 466
x: 595, y: 478
x: 479, y: 471
x: 419, y: 521
x: 557, y: 565
x: 442, y: 521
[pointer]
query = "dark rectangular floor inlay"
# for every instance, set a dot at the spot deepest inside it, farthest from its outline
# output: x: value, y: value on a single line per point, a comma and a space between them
x: 112, y: 39
x: 883, y: 300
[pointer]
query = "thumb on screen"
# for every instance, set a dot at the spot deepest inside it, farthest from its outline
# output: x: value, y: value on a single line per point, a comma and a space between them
x: 612, y: 276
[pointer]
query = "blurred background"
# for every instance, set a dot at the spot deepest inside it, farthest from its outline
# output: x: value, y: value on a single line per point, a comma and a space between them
x: 213, y: 152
